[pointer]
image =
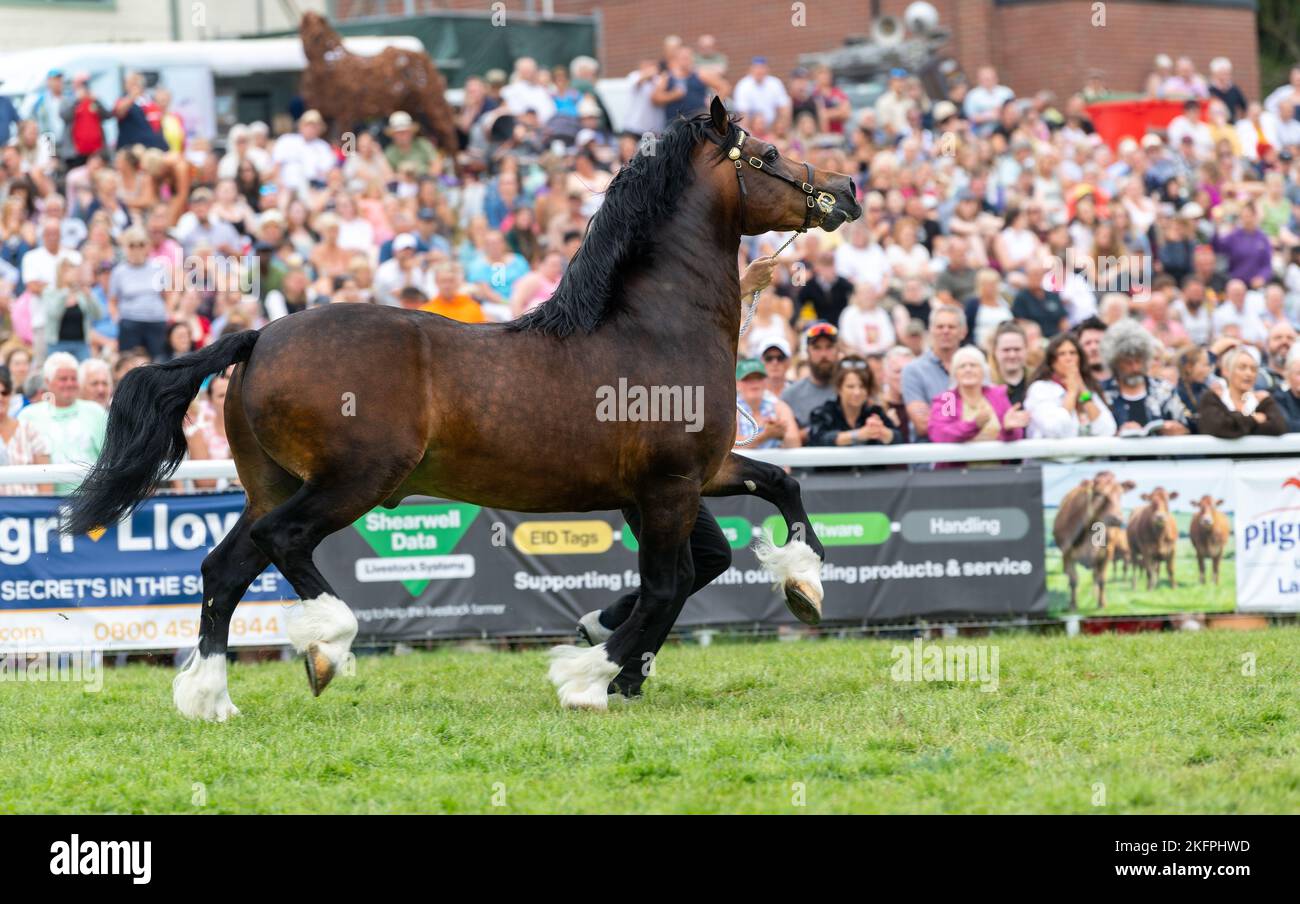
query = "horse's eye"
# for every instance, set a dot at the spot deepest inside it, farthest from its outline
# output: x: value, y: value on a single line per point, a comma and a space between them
x: 771, y: 155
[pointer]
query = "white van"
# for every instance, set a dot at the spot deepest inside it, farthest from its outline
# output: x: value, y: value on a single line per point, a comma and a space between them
x: 214, y: 83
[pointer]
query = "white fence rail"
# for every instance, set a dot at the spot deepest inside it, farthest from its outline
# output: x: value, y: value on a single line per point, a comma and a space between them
x: 854, y: 456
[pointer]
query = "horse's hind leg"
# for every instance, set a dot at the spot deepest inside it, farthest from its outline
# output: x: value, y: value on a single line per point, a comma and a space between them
x: 321, y: 627
x: 710, y: 553
x: 668, y: 512
x: 199, y: 690
x: 797, y: 565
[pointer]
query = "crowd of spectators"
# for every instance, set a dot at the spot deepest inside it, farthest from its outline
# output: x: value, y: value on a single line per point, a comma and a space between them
x: 1012, y: 275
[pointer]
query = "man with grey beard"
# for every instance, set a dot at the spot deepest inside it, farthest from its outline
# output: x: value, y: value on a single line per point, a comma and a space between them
x: 1141, y: 404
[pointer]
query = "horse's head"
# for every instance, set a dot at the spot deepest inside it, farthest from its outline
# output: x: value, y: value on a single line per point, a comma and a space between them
x: 317, y: 36
x: 780, y: 194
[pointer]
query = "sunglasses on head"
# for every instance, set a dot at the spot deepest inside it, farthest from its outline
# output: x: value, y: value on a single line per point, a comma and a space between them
x: 823, y: 329
x: 853, y: 365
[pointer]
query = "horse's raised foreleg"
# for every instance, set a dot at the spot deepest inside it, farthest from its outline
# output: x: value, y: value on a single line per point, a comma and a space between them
x: 796, y: 565
x: 199, y: 690
x: 668, y: 513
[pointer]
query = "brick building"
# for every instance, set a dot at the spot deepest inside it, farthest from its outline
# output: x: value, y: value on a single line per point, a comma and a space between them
x: 1034, y: 43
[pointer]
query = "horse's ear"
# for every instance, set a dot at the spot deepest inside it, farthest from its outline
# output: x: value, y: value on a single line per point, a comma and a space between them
x: 719, y: 113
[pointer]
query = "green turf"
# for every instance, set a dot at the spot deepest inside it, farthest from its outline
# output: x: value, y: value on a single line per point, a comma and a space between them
x: 1166, y: 722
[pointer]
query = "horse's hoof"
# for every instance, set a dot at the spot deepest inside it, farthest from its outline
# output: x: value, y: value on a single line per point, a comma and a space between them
x: 803, y: 602
x: 796, y: 570
x: 320, y: 669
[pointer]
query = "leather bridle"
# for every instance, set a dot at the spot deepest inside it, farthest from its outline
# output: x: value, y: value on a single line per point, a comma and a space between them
x: 822, y: 201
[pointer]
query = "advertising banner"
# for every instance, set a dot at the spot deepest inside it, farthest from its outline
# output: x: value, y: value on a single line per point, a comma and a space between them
x: 1165, y: 529
x: 134, y: 586
x: 1268, y: 536
x: 900, y: 546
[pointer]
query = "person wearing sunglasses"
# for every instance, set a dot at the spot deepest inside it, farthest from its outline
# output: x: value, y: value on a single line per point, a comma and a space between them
x: 854, y: 417
x: 822, y: 342
x: 134, y: 296
x: 776, y: 361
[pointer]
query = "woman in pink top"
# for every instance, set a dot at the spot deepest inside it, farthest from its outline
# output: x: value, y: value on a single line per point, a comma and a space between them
x: 973, y: 410
x: 534, y: 288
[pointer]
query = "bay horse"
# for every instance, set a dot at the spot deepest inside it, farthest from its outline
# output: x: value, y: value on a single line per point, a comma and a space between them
x: 335, y: 410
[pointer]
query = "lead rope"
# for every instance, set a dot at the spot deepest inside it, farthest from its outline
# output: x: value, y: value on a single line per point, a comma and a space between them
x: 744, y: 328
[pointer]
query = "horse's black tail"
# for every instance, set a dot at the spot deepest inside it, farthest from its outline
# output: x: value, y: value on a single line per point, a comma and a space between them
x: 145, y: 440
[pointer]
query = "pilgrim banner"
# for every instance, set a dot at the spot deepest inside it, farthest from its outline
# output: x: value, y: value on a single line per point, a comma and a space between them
x: 1268, y: 535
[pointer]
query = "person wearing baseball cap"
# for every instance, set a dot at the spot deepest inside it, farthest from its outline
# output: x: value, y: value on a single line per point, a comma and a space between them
x: 776, y: 426
x: 821, y: 341
x: 776, y: 361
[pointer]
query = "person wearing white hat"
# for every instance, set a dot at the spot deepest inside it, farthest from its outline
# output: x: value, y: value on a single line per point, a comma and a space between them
x: 304, y: 158
x: 407, y: 145
x: 401, y: 270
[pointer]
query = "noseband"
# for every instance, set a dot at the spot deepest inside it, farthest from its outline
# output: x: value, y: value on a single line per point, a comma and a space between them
x: 816, y: 200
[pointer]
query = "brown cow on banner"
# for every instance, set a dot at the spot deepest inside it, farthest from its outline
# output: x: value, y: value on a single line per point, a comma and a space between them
x: 1082, y: 530
x: 1153, y: 536
x: 1210, y: 531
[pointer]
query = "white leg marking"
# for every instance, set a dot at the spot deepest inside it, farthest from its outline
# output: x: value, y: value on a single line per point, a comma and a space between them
x: 795, y: 562
x: 581, y: 677
x: 199, y: 691
x: 325, y: 621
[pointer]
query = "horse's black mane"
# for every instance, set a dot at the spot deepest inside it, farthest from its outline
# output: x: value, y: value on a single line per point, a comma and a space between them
x: 622, y: 234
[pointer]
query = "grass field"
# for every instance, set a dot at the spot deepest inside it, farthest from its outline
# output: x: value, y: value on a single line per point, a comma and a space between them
x: 1166, y: 722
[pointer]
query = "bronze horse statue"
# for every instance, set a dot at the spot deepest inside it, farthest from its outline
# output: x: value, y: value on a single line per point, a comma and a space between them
x: 349, y: 90
x: 338, y: 409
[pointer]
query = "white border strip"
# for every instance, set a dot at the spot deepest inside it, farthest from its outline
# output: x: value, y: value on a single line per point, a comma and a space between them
x: 851, y: 456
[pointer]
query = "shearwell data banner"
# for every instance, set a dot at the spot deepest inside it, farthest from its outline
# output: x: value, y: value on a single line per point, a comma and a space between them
x: 900, y: 545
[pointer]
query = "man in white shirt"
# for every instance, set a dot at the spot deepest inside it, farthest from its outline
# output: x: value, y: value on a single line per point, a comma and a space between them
x: 893, y: 105
x: 762, y: 93
x: 401, y: 270
x: 1237, y: 310
x: 524, y: 93
x: 983, y: 103
x: 860, y: 260
x: 643, y: 114
x: 303, y: 156
x: 40, y: 266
